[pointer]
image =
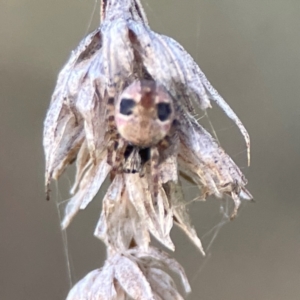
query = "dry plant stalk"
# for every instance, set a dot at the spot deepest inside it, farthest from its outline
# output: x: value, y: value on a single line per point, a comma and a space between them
x: 123, y: 107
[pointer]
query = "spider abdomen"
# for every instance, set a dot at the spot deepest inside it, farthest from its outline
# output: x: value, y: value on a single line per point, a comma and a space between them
x: 144, y: 113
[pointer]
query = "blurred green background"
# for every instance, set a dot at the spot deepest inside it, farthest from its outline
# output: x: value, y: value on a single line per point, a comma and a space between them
x: 250, y: 51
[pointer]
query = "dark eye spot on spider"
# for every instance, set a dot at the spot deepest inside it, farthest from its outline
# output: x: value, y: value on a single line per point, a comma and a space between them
x: 126, y: 106
x: 163, y: 111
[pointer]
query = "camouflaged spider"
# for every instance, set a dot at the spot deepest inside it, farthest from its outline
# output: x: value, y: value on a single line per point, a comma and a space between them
x: 142, y: 117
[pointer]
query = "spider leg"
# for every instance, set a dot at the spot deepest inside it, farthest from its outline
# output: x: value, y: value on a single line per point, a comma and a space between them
x: 142, y: 171
x: 168, y: 145
x: 119, y: 159
x: 154, y: 154
x: 111, y: 130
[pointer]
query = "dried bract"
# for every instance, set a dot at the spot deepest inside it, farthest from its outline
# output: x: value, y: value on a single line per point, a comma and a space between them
x: 208, y: 165
x: 132, y: 274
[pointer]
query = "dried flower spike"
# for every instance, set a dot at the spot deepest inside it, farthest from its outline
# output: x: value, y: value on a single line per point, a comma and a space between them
x: 123, y: 107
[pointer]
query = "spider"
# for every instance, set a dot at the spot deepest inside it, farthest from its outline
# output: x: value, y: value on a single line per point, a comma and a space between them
x: 143, y: 117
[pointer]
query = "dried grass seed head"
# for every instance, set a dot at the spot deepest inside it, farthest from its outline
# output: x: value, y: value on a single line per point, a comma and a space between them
x: 120, y: 55
x: 133, y: 274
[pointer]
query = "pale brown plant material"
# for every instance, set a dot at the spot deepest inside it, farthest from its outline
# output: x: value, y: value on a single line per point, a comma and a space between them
x: 134, y: 274
x: 123, y: 107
